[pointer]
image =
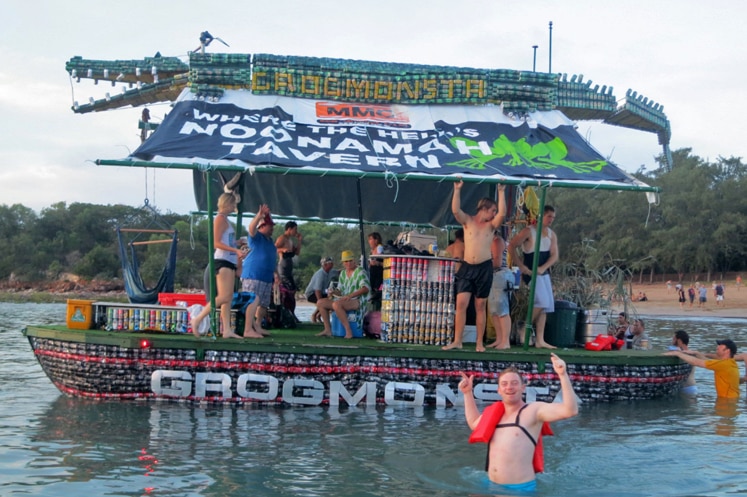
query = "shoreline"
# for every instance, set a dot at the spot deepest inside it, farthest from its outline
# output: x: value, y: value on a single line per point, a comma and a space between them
x: 661, y: 302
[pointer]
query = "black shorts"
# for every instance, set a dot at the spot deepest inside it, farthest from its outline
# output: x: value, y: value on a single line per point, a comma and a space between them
x: 475, y: 279
x: 312, y: 298
x: 219, y: 264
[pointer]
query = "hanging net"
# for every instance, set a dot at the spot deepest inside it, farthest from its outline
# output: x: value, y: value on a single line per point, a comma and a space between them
x: 137, y: 291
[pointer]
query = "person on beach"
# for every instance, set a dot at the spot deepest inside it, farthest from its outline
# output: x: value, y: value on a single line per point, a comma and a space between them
x: 226, y: 259
x: 691, y: 295
x: 724, y: 366
x: 521, y: 248
x: 718, y: 290
x: 475, y: 274
x: 512, y: 428
x: 681, y: 297
x: 702, y: 295
x: 258, y: 273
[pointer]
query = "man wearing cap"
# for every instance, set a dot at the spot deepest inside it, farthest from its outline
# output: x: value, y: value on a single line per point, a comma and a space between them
x: 724, y: 366
x: 351, y: 294
x: 258, y: 272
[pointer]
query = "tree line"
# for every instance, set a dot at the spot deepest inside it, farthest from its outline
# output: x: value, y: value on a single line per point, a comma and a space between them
x: 697, y: 225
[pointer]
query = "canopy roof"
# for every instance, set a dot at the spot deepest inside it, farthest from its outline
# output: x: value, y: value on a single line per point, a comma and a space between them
x: 374, y: 162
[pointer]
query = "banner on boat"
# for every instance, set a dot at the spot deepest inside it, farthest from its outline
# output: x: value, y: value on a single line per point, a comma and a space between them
x: 258, y: 130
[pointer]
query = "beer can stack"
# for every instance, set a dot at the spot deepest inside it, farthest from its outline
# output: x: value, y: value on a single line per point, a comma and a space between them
x: 142, y: 319
x: 417, y: 300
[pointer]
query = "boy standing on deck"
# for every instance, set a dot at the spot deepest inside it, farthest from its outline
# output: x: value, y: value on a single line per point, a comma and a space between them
x: 475, y: 274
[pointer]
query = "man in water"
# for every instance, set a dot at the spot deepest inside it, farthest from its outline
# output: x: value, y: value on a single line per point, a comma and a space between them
x: 475, y: 275
x: 681, y: 341
x: 513, y: 437
x: 724, y: 366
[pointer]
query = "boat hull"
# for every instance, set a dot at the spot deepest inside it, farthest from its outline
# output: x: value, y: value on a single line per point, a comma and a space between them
x: 130, y: 366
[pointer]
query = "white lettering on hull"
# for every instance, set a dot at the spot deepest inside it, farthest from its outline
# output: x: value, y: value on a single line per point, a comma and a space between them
x: 300, y: 391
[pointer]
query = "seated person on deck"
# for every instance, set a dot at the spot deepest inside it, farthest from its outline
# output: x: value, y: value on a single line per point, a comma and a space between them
x: 351, y: 294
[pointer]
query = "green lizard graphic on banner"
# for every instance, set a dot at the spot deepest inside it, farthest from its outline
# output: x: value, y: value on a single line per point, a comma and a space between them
x: 548, y: 155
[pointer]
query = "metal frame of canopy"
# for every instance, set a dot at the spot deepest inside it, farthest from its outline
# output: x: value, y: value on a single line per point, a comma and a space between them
x: 506, y: 180
x: 542, y: 184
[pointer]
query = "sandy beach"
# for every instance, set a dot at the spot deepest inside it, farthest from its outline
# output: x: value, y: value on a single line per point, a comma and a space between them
x: 663, y: 302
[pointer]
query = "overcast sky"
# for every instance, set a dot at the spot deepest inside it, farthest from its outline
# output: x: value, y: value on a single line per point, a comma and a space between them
x: 685, y: 54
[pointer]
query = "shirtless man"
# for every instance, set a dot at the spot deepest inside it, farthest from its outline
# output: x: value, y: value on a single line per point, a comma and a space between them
x: 521, y: 249
x: 512, y: 444
x: 681, y: 341
x: 475, y: 275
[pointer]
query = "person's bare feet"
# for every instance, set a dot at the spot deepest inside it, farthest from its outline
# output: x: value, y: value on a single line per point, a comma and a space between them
x: 452, y: 345
x: 544, y: 345
x: 324, y: 333
x: 499, y: 346
x: 231, y: 335
x: 479, y: 348
x: 252, y: 334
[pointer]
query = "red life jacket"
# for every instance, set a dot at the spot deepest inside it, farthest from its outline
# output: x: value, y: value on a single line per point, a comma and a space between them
x: 491, y: 416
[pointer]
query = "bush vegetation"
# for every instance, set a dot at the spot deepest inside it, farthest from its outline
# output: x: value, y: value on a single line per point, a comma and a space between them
x: 697, y: 226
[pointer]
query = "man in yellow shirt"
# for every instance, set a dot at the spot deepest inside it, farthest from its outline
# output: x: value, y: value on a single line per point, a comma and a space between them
x: 724, y: 366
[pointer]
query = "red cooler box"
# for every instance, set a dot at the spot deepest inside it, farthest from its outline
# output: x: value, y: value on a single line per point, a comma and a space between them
x: 176, y: 298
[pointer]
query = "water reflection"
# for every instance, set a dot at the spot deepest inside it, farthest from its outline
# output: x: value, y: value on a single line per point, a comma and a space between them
x: 683, y: 445
x: 726, y: 412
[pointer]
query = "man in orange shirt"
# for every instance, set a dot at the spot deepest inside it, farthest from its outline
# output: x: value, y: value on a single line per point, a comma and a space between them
x: 724, y: 366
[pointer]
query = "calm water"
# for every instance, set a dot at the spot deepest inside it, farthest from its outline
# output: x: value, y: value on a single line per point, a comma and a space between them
x: 54, y: 446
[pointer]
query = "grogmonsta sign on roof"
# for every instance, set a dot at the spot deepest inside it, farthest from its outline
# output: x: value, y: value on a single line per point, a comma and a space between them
x: 386, y: 152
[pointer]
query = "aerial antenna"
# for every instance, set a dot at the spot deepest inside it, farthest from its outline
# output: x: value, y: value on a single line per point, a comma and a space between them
x: 549, y: 69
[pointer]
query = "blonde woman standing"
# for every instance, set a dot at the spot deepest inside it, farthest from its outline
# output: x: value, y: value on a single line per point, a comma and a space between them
x: 226, y: 257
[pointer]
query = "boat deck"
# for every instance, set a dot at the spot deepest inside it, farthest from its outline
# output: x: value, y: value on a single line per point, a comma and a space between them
x: 303, y: 339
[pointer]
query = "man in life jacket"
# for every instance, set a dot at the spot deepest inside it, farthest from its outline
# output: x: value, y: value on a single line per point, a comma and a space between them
x: 513, y: 428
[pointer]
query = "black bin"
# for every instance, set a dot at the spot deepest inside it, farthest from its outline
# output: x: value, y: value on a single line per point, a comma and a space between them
x: 560, y: 327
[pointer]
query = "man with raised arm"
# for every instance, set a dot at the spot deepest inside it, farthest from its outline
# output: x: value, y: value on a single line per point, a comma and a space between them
x: 475, y: 274
x: 513, y: 429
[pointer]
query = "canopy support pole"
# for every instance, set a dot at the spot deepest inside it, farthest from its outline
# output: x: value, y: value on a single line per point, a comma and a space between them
x: 211, y: 254
x: 362, y: 235
x: 535, y: 262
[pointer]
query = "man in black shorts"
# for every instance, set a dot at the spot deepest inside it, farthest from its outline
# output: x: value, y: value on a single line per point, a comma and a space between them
x: 475, y: 275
